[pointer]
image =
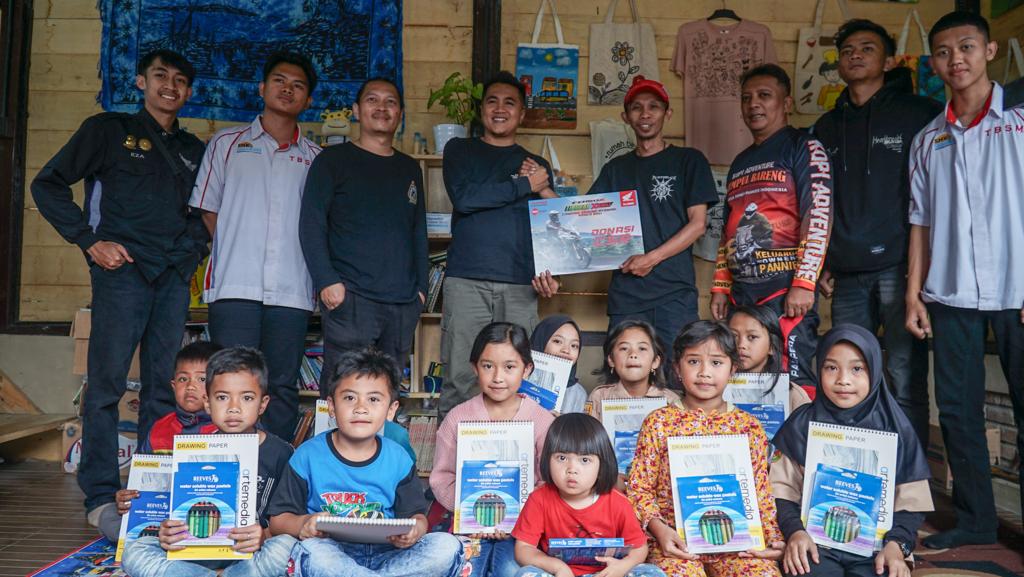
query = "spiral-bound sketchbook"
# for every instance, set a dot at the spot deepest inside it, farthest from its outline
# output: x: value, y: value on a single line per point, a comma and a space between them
x: 548, y: 381
x: 356, y: 530
x: 714, y: 493
x: 763, y: 395
x: 493, y: 475
x: 322, y: 421
x: 213, y: 491
x: 852, y: 450
x: 150, y: 475
x: 622, y: 419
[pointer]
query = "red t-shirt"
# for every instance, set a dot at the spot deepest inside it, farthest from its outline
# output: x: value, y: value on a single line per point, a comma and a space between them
x: 546, y: 516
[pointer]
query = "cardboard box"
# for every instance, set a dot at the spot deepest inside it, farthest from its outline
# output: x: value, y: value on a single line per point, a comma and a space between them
x: 942, y: 477
x: 71, y: 447
x: 128, y: 408
x: 80, y: 329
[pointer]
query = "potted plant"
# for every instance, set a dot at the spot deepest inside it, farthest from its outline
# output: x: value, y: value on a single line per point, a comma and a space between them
x: 459, y: 97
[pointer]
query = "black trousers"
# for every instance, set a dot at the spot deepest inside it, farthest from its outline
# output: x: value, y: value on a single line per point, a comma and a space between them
x: 959, y: 345
x: 280, y: 333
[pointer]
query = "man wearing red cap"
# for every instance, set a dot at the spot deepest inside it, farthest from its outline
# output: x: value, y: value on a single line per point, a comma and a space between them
x: 675, y: 188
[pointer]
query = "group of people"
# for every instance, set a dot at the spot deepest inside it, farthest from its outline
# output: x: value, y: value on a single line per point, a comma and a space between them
x: 902, y: 213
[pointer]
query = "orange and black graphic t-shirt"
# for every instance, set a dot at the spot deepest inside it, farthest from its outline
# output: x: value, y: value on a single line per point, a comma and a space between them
x: 778, y: 216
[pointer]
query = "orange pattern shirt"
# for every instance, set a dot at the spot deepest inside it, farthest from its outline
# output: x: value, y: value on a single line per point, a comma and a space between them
x: 649, y: 487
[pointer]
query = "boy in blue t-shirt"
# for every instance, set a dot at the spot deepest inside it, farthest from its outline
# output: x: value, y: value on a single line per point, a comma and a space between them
x: 351, y: 471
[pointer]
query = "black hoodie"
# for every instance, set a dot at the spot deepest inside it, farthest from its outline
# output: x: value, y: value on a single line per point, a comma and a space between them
x: 869, y: 146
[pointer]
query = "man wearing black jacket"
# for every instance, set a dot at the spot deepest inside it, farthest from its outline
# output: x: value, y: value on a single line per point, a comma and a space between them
x: 142, y: 244
x: 868, y: 137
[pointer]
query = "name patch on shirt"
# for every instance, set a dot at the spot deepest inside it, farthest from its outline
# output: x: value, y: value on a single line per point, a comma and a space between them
x: 248, y: 147
x: 942, y: 141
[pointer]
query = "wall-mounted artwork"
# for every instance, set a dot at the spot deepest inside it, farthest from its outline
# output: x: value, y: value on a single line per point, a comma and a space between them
x: 228, y: 41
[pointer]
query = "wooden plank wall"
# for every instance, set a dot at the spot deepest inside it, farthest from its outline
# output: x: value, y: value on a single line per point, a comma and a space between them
x: 62, y: 92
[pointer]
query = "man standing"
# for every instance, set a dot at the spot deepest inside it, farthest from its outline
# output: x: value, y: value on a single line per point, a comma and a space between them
x: 784, y: 177
x: 249, y: 189
x: 868, y: 137
x: 490, y: 181
x: 675, y: 188
x: 364, y: 234
x: 966, y: 261
x: 142, y: 245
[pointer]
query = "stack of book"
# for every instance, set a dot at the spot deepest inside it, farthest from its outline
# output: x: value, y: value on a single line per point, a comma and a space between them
x: 423, y: 438
x: 311, y: 367
x: 435, y: 279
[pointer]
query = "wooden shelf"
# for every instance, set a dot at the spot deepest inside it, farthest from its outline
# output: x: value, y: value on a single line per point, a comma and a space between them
x: 439, y: 236
x: 430, y: 315
x: 422, y: 395
x: 311, y: 394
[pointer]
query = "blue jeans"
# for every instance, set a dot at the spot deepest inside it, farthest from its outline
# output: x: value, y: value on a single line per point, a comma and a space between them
x: 874, y: 299
x: 127, y: 311
x: 280, y: 333
x: 641, y: 570
x: 497, y: 558
x: 145, y: 558
x: 434, y: 555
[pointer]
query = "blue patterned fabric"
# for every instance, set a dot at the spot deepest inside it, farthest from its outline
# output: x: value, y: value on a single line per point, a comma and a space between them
x: 228, y: 41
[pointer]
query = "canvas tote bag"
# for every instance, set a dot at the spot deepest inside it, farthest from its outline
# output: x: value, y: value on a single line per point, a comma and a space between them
x: 618, y: 52
x: 565, y: 184
x: 817, y: 64
x: 608, y: 139
x: 550, y: 73
x: 926, y: 83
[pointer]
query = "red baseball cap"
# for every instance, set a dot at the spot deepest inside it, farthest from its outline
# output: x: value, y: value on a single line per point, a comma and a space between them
x: 641, y: 84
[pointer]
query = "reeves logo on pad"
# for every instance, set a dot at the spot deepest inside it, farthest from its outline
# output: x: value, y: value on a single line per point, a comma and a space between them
x: 627, y: 198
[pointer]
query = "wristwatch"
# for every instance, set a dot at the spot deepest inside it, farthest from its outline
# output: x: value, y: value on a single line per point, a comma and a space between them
x: 904, y: 547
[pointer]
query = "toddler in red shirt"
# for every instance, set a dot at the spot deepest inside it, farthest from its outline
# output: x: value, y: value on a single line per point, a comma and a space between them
x: 578, y: 500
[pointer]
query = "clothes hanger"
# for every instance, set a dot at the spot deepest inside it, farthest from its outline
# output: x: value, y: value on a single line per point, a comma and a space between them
x: 724, y: 12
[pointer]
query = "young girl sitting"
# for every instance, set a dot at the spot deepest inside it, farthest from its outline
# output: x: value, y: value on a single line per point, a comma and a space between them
x: 759, y: 343
x: 501, y: 359
x: 851, y: 392
x: 578, y: 500
x: 705, y: 353
x: 559, y: 335
x: 632, y: 357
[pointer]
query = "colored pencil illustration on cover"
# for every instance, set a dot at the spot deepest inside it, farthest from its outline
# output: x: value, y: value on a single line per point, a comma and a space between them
x: 493, y: 475
x: 213, y: 491
x: 850, y: 486
x: 713, y: 493
x: 150, y: 475
x: 587, y: 233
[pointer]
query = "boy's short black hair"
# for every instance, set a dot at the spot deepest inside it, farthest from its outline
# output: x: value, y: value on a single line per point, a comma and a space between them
x: 237, y: 360
x: 365, y: 362
x: 584, y: 435
x: 170, y: 58
x: 196, y: 352
x: 771, y: 70
x: 498, y: 333
x: 300, y: 60
x: 959, y: 18
x: 362, y: 89
x: 698, y: 332
x: 851, y: 27
x: 506, y: 77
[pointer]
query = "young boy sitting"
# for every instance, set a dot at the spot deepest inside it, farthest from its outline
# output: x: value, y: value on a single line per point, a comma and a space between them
x: 351, y: 471
x: 236, y: 390
x: 189, y: 418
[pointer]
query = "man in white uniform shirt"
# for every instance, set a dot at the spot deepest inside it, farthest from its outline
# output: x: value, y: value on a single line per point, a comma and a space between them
x: 966, y: 261
x: 250, y: 191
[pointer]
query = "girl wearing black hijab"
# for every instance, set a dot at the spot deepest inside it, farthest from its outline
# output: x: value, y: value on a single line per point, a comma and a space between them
x: 851, y: 392
x: 560, y: 336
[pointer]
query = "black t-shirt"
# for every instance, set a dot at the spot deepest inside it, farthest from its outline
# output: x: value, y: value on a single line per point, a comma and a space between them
x: 273, y: 460
x: 667, y: 183
x: 363, y: 223
x: 491, y: 238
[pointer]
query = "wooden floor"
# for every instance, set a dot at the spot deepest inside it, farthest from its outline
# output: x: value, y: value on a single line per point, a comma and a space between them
x: 41, y: 517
